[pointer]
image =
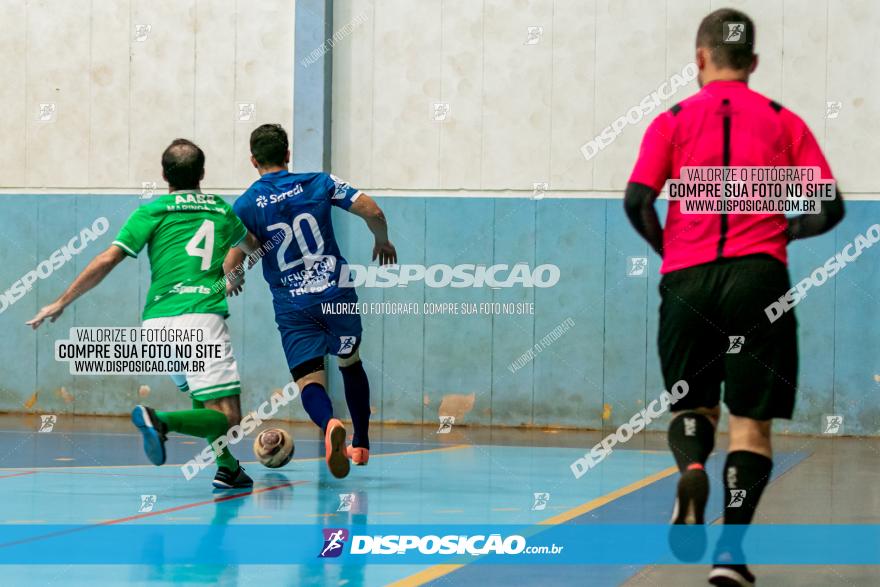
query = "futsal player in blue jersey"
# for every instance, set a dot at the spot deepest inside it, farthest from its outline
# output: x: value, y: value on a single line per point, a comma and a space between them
x: 290, y: 215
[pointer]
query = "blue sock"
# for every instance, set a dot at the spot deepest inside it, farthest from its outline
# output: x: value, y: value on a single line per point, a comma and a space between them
x: 357, y: 396
x: 317, y: 404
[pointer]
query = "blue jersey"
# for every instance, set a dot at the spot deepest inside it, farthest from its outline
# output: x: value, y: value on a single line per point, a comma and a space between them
x: 290, y: 215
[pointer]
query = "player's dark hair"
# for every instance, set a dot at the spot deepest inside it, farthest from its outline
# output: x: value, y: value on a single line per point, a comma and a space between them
x: 730, y: 36
x: 269, y: 144
x: 183, y: 164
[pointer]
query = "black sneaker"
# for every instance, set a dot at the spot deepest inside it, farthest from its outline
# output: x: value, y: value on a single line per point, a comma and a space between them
x: 731, y: 576
x: 153, y: 431
x: 227, y: 479
x: 691, y: 498
x: 689, y: 544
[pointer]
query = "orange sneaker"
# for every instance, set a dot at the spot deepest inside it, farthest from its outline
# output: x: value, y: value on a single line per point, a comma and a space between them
x: 359, y: 456
x: 335, y: 450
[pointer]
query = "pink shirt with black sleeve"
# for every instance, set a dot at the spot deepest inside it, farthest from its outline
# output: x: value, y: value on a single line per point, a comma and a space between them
x: 724, y: 124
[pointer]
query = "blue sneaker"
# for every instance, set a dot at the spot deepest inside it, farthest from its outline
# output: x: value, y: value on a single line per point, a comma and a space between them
x: 153, y: 430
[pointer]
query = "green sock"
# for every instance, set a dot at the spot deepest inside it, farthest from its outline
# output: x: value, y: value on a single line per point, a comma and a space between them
x: 203, y: 423
x: 225, y: 458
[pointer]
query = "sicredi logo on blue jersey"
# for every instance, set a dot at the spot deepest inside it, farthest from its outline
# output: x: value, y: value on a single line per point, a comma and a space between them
x: 290, y: 214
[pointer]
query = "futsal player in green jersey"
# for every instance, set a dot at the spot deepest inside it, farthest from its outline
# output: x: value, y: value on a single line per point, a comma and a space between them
x: 188, y: 235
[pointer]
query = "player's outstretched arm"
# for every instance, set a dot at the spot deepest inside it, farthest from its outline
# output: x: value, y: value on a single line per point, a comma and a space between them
x: 233, y: 264
x: 367, y: 208
x: 91, y: 276
x: 639, y: 204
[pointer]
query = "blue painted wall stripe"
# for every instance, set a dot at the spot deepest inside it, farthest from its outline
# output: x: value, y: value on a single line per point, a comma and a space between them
x: 608, y: 357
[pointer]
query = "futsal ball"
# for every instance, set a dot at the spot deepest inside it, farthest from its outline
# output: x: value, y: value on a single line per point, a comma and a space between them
x: 273, y: 447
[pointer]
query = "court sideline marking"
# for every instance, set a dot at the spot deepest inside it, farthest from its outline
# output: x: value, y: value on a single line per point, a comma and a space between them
x: 177, y: 508
x: 194, y: 504
x: 295, y: 460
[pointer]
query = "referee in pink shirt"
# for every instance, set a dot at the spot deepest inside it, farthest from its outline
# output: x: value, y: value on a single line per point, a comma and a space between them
x: 719, y: 273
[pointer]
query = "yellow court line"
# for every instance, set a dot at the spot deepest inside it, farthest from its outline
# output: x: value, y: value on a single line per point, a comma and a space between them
x: 437, y: 571
x: 608, y: 498
x: 310, y: 459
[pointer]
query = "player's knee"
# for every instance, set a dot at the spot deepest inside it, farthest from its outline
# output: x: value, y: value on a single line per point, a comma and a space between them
x: 233, y: 416
x: 229, y: 407
x: 307, y: 369
x: 753, y: 434
x: 349, y: 359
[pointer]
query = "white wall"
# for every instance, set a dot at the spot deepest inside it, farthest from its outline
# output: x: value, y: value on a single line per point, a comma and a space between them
x: 119, y: 101
x: 519, y: 113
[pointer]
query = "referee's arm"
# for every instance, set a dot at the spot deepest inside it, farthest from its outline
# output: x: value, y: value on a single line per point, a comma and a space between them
x: 831, y: 212
x: 638, y: 201
x: 805, y: 152
x: 652, y: 169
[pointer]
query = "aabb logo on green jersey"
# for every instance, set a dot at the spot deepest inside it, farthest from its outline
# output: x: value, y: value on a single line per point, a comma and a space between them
x: 194, y: 199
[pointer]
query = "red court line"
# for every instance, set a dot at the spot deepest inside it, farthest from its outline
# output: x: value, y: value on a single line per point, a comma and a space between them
x: 65, y: 472
x: 18, y: 474
x: 185, y: 506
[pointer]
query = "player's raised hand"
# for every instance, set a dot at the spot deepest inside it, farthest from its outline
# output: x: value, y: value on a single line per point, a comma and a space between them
x: 52, y: 311
x: 385, y: 252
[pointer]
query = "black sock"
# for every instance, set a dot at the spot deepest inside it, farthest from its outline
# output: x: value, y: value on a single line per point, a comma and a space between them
x: 317, y: 404
x: 691, y: 437
x: 357, y: 396
x: 745, y: 476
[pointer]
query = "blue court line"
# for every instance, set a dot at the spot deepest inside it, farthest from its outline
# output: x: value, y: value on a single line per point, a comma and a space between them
x: 649, y: 505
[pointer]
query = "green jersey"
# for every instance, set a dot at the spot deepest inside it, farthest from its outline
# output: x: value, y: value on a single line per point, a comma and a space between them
x: 188, y: 235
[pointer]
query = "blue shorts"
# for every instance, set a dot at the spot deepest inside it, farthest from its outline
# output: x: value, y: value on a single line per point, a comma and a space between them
x: 310, y: 332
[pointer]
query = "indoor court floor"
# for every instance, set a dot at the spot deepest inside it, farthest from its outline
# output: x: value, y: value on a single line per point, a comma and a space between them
x: 91, y: 472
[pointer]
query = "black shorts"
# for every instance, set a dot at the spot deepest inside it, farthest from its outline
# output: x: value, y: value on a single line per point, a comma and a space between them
x: 713, y: 328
